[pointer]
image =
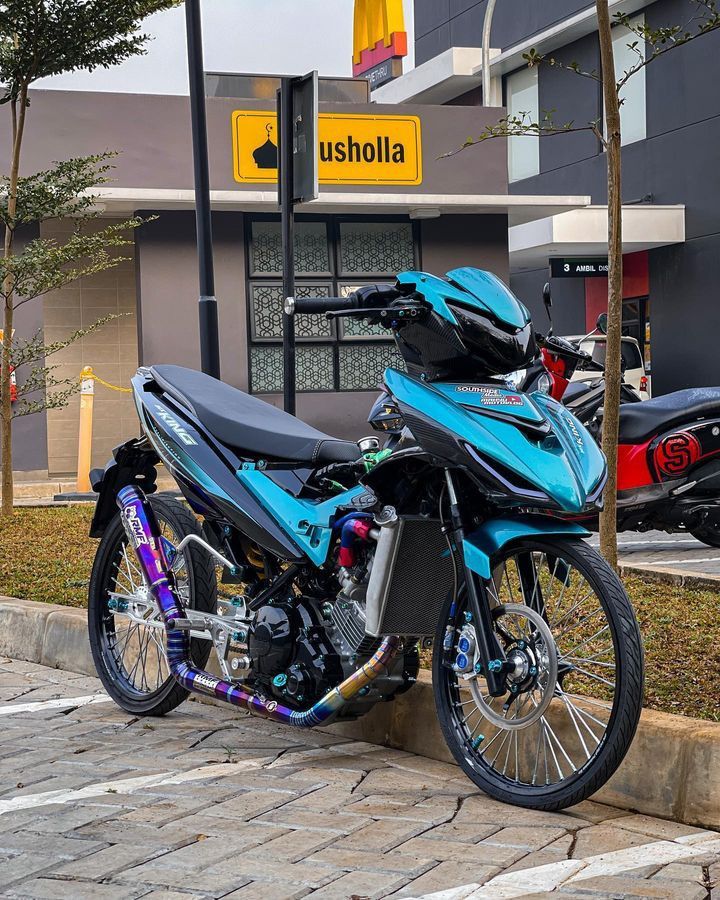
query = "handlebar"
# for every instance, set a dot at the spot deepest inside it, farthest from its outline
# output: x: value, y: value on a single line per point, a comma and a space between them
x: 367, y: 297
x: 320, y: 304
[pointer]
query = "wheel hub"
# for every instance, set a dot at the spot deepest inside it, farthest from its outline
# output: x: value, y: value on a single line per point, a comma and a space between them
x: 532, y: 680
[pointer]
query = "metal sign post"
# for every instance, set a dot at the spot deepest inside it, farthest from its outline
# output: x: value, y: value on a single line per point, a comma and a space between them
x: 207, y: 302
x: 297, y: 112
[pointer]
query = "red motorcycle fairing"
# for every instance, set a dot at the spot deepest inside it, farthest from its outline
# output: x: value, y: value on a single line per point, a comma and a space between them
x: 557, y: 368
x: 632, y: 466
x: 667, y: 456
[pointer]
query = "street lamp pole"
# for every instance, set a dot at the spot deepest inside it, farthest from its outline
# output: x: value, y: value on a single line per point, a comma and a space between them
x: 487, y: 28
x: 207, y: 302
x: 286, y: 190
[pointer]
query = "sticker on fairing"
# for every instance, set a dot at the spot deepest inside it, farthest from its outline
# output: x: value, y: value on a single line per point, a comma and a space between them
x: 487, y: 396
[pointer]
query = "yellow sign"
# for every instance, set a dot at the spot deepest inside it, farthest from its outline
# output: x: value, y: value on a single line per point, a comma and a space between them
x: 353, y: 149
x: 378, y: 33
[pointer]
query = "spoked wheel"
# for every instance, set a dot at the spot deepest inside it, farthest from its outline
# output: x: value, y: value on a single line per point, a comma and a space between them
x: 127, y: 637
x: 573, y: 685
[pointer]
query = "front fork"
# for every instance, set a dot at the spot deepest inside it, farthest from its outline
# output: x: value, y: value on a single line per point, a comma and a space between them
x: 492, y: 657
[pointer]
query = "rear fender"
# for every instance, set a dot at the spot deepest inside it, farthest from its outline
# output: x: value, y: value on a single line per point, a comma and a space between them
x: 495, y: 534
x: 133, y: 462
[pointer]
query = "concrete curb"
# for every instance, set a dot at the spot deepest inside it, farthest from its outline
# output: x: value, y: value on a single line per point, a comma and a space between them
x: 668, y: 575
x: 45, y: 633
x: 671, y: 771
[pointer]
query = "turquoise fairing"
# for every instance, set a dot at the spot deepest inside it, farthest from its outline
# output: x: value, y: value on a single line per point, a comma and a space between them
x: 470, y: 287
x: 493, y: 535
x: 492, y: 294
x: 308, y: 522
x: 566, y: 464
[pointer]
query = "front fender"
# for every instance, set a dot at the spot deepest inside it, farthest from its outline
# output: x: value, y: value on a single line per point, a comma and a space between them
x: 493, y: 535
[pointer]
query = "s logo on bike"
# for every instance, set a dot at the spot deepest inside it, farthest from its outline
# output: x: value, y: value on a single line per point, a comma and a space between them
x: 676, y: 453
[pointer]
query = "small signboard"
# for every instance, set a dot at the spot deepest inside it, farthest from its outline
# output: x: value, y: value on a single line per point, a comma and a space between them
x: 383, y: 72
x: 579, y: 268
x: 352, y: 148
x: 304, y: 138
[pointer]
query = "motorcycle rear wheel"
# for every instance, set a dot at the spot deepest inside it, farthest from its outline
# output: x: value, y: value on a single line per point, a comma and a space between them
x: 708, y: 536
x: 562, y: 614
x: 130, y: 657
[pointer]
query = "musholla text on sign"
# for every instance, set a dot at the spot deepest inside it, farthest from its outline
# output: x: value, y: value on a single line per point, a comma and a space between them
x: 353, y: 148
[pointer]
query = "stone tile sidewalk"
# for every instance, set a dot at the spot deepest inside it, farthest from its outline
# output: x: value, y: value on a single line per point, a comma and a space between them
x: 210, y: 803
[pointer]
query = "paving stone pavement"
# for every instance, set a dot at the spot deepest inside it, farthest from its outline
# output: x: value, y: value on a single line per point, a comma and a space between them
x: 206, y: 802
x: 657, y: 549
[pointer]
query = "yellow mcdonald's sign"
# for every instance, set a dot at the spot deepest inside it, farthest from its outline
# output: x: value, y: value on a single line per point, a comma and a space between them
x: 353, y: 148
x: 378, y: 33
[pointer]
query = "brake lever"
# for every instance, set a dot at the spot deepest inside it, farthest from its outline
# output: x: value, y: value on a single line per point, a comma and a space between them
x: 346, y: 313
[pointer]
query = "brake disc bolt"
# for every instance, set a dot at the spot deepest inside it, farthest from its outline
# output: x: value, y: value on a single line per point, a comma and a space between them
x: 521, y: 645
x: 514, y: 688
x: 533, y: 670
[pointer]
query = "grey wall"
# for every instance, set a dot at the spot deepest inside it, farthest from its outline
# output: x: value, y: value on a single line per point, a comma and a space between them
x: 29, y: 432
x: 440, y: 24
x: 452, y: 241
x: 166, y: 259
x: 152, y: 135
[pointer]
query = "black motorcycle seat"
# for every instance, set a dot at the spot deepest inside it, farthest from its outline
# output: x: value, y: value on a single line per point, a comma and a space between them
x: 640, y: 421
x: 248, y: 424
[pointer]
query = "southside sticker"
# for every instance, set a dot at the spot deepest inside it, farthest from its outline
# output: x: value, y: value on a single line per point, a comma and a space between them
x: 487, y: 396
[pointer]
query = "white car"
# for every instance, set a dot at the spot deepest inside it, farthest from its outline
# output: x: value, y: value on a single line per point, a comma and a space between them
x: 634, y: 373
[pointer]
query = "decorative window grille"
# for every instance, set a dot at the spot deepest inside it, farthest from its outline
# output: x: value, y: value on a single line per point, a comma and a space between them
x: 332, y: 258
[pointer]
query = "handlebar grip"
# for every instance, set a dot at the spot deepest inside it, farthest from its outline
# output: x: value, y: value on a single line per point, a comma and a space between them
x: 321, y: 304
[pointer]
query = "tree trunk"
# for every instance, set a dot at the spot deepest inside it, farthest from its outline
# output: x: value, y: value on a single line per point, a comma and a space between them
x: 613, y: 373
x: 18, y: 109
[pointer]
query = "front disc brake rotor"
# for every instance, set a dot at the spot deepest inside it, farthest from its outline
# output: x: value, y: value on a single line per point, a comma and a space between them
x: 535, y: 674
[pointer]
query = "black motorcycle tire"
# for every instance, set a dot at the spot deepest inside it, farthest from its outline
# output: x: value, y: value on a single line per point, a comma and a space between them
x: 626, y: 707
x: 202, y: 596
x: 707, y: 536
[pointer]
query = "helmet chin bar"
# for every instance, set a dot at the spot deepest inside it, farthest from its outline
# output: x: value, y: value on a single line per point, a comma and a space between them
x: 144, y: 535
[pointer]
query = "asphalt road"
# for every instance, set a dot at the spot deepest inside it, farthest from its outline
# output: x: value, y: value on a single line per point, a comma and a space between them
x: 656, y: 549
x: 208, y: 803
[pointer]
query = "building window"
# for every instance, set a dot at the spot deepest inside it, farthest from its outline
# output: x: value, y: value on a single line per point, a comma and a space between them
x: 633, y: 122
x: 523, y: 102
x: 332, y: 258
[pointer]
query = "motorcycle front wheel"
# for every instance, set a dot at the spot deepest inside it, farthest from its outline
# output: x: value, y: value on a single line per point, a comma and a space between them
x: 574, y: 693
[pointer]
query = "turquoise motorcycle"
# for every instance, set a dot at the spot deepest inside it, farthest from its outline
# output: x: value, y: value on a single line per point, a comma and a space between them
x: 339, y: 561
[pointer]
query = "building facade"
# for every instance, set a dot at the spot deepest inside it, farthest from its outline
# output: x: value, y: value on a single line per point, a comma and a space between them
x: 388, y: 202
x: 671, y: 181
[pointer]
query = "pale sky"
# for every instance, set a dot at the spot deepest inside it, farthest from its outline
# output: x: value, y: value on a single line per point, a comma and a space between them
x: 266, y: 36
